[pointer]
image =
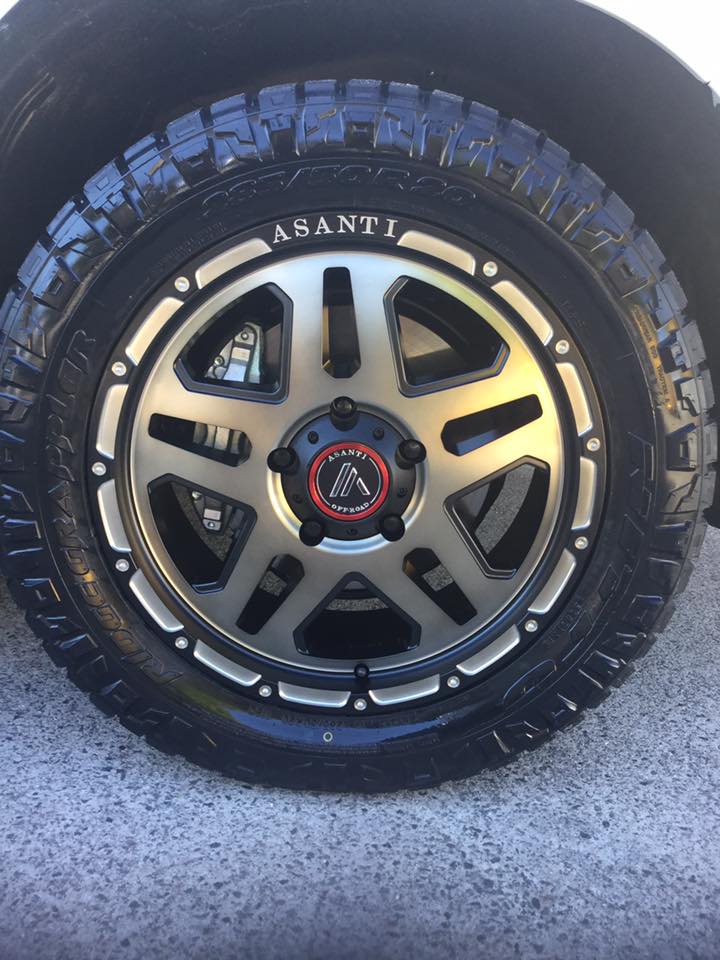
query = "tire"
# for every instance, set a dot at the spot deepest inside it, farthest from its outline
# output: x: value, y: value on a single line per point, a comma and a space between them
x: 478, y: 182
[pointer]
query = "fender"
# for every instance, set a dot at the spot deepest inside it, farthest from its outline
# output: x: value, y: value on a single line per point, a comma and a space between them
x: 695, y: 48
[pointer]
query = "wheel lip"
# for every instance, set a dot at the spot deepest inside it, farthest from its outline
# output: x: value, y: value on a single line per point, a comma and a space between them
x: 316, y: 496
x: 487, y: 635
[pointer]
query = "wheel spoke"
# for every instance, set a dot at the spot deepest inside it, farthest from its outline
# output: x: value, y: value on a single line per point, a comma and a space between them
x: 449, y: 474
x: 385, y: 570
x: 320, y: 572
x: 154, y: 459
x: 376, y: 380
x: 304, y: 287
x: 435, y: 530
x: 517, y: 379
x: 167, y: 395
x: 225, y: 606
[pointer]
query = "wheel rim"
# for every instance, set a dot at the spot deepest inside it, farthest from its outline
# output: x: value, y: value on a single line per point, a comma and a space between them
x: 339, y: 572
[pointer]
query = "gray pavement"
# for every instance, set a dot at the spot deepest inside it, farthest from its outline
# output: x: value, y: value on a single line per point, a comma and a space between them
x: 603, y: 844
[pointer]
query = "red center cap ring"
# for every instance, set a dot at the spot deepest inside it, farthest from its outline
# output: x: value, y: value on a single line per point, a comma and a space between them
x: 348, y: 481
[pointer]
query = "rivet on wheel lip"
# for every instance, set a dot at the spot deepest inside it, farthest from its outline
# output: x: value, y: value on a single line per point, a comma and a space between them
x: 562, y: 346
x: 182, y: 284
x: 119, y: 368
x: 453, y: 682
x: 182, y: 643
x: 99, y: 469
x: 265, y: 690
x: 582, y: 543
x: 490, y: 269
x: 360, y: 704
x: 593, y: 444
x: 122, y: 565
x: 531, y: 626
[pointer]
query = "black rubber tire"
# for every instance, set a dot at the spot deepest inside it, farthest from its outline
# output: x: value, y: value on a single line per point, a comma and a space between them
x: 443, y: 159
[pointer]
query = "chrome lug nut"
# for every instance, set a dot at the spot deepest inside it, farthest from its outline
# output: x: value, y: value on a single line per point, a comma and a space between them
x: 312, y: 532
x: 282, y: 460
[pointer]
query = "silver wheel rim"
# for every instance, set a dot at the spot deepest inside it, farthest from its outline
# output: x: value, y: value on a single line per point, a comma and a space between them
x: 310, y: 390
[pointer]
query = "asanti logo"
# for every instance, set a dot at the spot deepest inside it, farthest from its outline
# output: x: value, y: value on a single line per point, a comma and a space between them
x: 347, y: 224
x: 348, y: 481
x: 348, y: 478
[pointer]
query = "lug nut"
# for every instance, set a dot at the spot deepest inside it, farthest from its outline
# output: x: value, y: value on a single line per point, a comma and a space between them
x: 282, y: 460
x: 343, y: 413
x: 392, y: 527
x: 312, y: 532
x: 409, y: 453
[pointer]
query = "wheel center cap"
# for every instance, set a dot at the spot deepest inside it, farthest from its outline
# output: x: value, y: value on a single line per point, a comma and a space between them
x: 348, y: 481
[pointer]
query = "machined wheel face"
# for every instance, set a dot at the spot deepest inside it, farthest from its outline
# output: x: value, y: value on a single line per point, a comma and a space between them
x: 354, y: 437
x: 372, y: 464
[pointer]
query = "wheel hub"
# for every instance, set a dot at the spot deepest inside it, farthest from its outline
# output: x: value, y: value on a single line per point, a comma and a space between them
x: 347, y: 473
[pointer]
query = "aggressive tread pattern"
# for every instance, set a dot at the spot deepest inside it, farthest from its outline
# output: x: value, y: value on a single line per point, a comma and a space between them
x: 441, y: 131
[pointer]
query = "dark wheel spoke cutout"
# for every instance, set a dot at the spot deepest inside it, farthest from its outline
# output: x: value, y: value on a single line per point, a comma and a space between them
x: 501, y: 517
x: 356, y: 621
x: 474, y: 430
x: 441, y: 340
x: 282, y: 575
x: 426, y: 571
x: 341, y: 350
x: 244, y: 350
x: 222, y: 444
x: 203, y: 533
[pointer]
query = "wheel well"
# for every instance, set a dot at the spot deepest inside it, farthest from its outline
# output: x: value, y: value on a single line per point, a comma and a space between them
x: 78, y: 90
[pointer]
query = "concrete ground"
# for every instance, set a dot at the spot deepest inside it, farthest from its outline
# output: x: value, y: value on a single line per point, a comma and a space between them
x: 603, y: 844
